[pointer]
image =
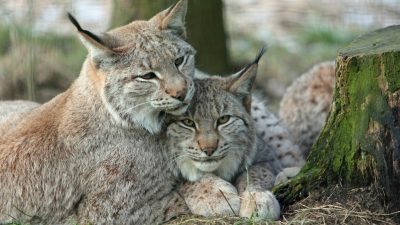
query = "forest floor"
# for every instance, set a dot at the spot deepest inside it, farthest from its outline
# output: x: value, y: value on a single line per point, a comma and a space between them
x: 330, y: 205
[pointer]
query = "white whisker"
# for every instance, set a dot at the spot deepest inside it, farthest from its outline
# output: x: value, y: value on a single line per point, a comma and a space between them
x: 136, y: 106
x: 176, y: 157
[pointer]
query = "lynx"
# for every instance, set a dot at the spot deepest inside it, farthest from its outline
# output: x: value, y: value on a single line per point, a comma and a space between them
x: 215, y: 141
x: 92, y: 154
x: 306, y: 104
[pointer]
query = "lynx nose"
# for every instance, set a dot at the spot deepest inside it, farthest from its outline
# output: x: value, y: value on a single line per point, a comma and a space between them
x: 208, y: 146
x: 177, y: 93
x: 209, y: 151
x: 177, y: 87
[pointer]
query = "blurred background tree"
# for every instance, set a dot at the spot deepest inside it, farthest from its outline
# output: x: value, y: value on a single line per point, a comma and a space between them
x: 204, y: 22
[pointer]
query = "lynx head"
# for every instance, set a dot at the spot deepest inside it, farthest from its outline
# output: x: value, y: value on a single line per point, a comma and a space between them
x: 142, y: 70
x: 216, y: 134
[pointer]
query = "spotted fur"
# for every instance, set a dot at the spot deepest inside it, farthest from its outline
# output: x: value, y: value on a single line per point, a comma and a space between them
x: 275, y: 134
x: 306, y: 104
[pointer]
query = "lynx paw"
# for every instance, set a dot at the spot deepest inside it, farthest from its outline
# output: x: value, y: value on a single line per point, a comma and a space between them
x: 263, y: 204
x: 286, y: 174
x: 206, y: 197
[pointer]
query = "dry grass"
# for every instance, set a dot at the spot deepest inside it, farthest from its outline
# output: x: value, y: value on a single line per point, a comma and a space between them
x: 337, y: 214
x: 323, y: 214
x: 198, y: 220
x: 333, y: 205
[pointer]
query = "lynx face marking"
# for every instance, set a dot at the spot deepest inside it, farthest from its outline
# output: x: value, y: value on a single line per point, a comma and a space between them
x: 216, y: 134
x: 145, y: 81
x: 209, y: 146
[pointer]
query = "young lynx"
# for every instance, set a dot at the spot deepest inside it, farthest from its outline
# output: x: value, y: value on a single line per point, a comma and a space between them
x: 90, y: 155
x: 217, y: 135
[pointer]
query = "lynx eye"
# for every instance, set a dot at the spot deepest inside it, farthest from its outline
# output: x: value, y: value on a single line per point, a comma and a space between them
x: 223, y: 119
x: 188, y: 122
x: 149, y: 76
x: 179, y: 61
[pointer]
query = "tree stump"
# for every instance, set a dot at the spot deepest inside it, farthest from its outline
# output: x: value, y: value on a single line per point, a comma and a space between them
x: 360, y: 142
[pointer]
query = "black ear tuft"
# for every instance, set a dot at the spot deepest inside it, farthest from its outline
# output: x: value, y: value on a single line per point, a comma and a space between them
x: 256, y: 60
x: 74, y: 21
x: 79, y: 28
x: 259, y: 55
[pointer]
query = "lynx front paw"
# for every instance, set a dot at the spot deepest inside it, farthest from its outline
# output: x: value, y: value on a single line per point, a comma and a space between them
x: 211, y: 196
x: 286, y: 174
x: 262, y: 204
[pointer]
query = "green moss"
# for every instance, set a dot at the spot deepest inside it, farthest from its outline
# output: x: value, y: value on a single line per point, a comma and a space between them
x: 392, y: 66
x: 366, y: 101
x: 309, y: 178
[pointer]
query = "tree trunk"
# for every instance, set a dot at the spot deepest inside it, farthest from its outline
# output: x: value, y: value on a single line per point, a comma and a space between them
x: 360, y: 142
x: 206, y: 34
x: 204, y: 23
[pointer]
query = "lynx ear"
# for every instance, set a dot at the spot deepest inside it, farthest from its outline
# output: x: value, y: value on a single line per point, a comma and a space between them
x: 173, y: 18
x: 241, y: 83
x: 96, y: 45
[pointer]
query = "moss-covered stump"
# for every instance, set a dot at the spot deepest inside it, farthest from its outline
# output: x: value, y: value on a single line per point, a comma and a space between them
x: 360, y: 142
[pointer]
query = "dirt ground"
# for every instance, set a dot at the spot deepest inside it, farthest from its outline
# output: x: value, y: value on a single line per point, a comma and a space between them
x: 330, y: 205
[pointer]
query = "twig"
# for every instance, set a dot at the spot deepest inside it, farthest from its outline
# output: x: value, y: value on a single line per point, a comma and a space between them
x: 233, y: 211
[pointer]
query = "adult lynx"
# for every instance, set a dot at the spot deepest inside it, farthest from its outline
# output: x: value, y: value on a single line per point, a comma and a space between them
x: 90, y: 154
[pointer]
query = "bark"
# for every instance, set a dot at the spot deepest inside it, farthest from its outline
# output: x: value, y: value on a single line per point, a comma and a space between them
x: 360, y: 142
x: 204, y: 23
